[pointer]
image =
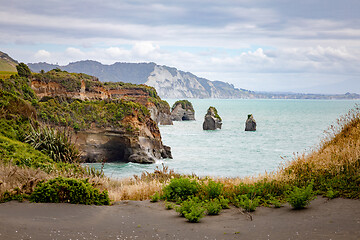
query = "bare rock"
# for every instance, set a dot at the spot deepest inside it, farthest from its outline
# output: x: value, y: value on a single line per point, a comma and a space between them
x: 250, y: 124
x: 212, y: 120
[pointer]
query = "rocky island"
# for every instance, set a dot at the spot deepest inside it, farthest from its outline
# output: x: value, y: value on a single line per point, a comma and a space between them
x: 250, y: 124
x: 182, y: 110
x: 212, y: 120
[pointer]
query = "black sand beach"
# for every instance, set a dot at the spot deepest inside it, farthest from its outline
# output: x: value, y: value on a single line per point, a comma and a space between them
x: 323, y: 219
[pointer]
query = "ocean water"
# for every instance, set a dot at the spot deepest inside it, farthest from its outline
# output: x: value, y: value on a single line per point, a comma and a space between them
x: 284, y: 128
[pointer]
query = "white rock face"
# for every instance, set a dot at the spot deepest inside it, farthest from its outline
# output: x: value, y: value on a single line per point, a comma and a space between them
x: 172, y: 83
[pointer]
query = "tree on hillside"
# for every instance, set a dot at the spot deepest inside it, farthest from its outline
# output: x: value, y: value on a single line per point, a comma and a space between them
x: 23, y: 70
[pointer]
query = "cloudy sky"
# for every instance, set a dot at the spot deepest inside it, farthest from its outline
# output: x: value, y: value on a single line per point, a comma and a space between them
x: 263, y: 45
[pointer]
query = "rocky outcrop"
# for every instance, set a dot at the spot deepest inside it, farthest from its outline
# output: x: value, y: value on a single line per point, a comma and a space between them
x: 122, y: 124
x: 250, y: 124
x: 182, y: 110
x: 212, y: 120
x: 159, y: 110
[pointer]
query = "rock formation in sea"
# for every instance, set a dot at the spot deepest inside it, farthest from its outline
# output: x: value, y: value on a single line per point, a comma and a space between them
x: 250, y: 124
x: 182, y: 110
x: 212, y: 120
x: 115, y: 122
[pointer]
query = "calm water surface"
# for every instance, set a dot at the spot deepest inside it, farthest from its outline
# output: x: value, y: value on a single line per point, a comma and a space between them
x: 284, y: 127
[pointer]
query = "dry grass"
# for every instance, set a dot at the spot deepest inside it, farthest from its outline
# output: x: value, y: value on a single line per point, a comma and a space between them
x: 337, y: 155
x: 19, y: 180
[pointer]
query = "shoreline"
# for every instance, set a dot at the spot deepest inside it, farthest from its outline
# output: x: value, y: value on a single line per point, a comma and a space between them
x: 322, y: 219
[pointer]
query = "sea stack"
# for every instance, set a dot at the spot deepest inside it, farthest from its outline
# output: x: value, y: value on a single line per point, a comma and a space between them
x: 250, y: 124
x: 182, y: 110
x: 212, y: 120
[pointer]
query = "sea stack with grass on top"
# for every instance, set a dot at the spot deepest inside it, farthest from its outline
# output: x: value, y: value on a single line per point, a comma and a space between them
x: 182, y: 110
x: 250, y: 124
x: 212, y: 120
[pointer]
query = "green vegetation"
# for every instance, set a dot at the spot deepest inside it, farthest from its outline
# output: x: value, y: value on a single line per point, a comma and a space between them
x: 300, y: 197
x: 155, y: 197
x: 185, y: 104
x: 71, y: 82
x: 56, y: 144
x: 79, y: 115
x: 6, y: 74
x: 215, y: 112
x: 180, y: 188
x: 23, y: 70
x: 213, y: 207
x: 61, y: 190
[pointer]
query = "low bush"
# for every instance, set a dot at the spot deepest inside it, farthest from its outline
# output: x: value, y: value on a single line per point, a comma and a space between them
x: 213, y: 207
x: 213, y: 189
x: 180, y: 188
x: 195, y: 214
x: 68, y: 190
x: 299, y: 198
x: 248, y: 204
x: 155, y: 197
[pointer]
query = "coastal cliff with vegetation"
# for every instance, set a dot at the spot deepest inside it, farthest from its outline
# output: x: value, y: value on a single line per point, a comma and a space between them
x: 110, y: 121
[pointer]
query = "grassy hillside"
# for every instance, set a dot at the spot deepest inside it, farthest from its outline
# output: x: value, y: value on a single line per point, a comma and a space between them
x: 7, y: 64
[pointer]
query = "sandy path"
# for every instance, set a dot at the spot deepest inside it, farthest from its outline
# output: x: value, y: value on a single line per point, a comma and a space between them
x: 334, y: 219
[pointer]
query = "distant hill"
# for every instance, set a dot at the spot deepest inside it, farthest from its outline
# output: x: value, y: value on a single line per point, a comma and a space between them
x: 168, y: 82
x: 173, y: 83
x: 7, y: 64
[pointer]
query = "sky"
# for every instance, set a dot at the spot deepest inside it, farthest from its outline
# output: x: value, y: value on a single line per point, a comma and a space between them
x: 309, y: 46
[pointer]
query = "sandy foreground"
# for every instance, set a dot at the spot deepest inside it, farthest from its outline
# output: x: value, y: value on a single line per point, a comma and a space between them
x: 323, y: 219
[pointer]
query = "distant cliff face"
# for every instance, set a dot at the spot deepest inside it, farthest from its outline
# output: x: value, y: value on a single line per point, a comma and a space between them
x: 168, y: 82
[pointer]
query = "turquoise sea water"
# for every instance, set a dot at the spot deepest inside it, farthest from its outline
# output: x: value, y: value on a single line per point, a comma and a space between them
x: 284, y: 127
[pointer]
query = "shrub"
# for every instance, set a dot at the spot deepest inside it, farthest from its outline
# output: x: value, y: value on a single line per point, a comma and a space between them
x: 300, y: 197
x: 180, y: 188
x: 23, y: 70
x: 195, y: 214
x: 213, y: 189
x: 169, y: 205
x: 213, y: 207
x: 61, y: 190
x: 246, y: 203
x: 331, y: 193
x: 155, y: 197
x: 224, y: 202
x: 186, y: 205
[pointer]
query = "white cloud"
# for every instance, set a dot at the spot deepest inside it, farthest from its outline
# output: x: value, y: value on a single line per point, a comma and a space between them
x: 42, y: 55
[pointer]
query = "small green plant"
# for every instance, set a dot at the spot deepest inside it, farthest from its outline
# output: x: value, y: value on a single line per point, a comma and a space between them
x: 186, y: 205
x: 180, y: 188
x: 213, y: 189
x: 155, y: 197
x: 213, y: 207
x: 169, y: 205
x: 195, y: 214
x: 224, y: 202
x: 69, y: 190
x: 246, y: 203
x: 299, y: 198
x: 331, y: 193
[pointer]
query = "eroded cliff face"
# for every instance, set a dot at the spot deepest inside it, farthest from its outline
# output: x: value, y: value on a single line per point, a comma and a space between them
x: 134, y: 136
